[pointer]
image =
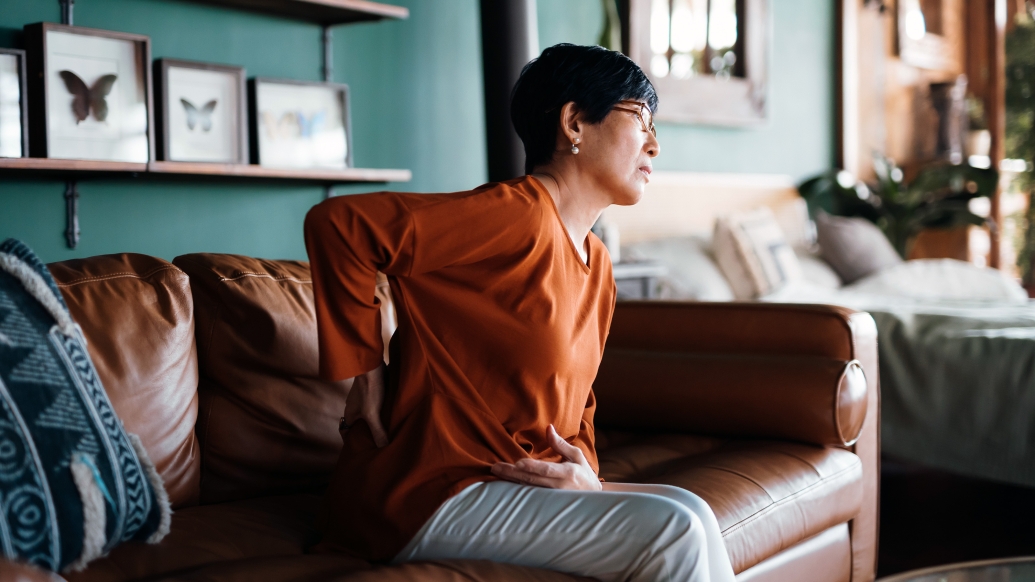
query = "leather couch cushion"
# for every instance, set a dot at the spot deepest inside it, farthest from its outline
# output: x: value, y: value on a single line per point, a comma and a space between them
x: 766, y: 495
x: 138, y: 319
x: 267, y: 425
x: 210, y: 534
x: 22, y: 572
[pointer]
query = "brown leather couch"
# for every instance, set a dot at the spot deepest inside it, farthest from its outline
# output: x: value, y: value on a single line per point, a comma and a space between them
x: 768, y: 412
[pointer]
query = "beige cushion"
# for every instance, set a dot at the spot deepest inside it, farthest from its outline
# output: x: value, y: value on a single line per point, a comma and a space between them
x: 691, y: 270
x: 854, y: 247
x: 753, y: 253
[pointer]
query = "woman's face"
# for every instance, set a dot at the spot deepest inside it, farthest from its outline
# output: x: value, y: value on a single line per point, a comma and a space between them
x: 618, y: 152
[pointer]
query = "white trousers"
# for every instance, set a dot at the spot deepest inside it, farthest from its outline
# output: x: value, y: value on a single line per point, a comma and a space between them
x: 627, y: 532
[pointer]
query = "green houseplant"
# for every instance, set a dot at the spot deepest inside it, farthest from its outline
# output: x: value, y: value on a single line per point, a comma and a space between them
x: 939, y: 197
x: 1020, y: 126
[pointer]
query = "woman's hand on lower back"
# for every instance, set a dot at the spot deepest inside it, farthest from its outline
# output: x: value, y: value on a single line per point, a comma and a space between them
x: 364, y: 402
x: 574, y: 472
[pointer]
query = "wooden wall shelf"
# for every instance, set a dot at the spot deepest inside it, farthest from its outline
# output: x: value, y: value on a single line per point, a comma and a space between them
x: 325, y: 12
x: 85, y: 169
x: 255, y: 172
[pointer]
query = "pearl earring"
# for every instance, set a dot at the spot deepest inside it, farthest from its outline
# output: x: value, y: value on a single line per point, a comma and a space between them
x: 574, y: 146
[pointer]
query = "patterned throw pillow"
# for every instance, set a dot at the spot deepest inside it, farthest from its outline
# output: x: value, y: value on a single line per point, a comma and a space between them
x: 73, y: 483
x: 753, y: 254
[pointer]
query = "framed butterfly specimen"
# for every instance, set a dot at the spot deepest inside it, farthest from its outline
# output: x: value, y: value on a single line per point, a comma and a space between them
x: 201, y: 110
x: 14, y: 130
x: 89, y: 94
x: 299, y: 124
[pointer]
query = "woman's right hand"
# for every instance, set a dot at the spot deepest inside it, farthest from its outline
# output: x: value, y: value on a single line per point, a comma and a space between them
x: 364, y: 402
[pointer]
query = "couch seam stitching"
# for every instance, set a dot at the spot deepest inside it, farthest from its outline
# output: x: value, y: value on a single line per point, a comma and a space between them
x: 118, y: 275
x: 785, y: 500
x: 242, y: 275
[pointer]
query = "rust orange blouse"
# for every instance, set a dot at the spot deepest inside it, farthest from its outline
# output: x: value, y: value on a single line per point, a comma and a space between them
x: 501, y: 330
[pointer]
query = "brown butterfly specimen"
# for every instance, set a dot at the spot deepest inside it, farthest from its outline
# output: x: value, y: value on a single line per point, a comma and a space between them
x: 87, y: 98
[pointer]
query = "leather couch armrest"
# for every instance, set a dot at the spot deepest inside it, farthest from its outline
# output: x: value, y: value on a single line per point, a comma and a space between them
x: 754, y: 353
x: 13, y: 571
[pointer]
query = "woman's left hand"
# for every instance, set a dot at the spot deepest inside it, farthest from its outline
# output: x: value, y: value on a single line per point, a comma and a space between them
x: 573, y: 473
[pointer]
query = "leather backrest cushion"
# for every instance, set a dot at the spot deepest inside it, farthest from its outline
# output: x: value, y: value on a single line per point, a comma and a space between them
x: 733, y: 328
x: 808, y: 399
x: 137, y: 315
x: 268, y: 424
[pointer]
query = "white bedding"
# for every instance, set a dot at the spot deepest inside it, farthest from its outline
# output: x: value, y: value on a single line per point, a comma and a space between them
x: 957, y: 382
x: 957, y: 363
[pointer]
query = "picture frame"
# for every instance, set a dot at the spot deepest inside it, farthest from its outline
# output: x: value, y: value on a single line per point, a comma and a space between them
x: 89, y: 94
x: 299, y: 124
x: 14, y: 110
x: 202, y: 112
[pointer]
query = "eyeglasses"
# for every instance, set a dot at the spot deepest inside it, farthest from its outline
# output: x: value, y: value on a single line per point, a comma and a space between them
x: 643, y: 112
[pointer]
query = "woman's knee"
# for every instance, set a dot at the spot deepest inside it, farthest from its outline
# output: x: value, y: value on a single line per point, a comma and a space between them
x: 682, y: 496
x: 669, y: 519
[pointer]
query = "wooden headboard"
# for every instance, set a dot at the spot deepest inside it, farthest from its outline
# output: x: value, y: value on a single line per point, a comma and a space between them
x: 682, y: 203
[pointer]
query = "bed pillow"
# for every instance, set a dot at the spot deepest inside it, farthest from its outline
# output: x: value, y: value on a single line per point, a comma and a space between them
x: 854, y: 247
x: 942, y: 279
x: 73, y: 483
x: 692, y: 272
x: 753, y: 254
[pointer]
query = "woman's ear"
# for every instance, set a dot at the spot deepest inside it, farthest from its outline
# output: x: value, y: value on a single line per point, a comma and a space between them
x: 571, y: 123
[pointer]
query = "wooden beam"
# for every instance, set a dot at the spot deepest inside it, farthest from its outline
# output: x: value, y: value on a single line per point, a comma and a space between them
x: 996, y: 109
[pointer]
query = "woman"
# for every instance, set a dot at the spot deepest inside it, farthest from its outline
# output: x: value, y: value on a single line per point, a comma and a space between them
x: 479, y: 443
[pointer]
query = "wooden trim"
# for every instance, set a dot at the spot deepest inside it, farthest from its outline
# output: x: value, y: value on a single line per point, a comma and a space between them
x: 62, y: 165
x: 61, y: 169
x: 161, y: 79
x: 839, y: 79
x: 23, y: 95
x: 260, y: 172
x: 995, y: 107
x: 325, y: 12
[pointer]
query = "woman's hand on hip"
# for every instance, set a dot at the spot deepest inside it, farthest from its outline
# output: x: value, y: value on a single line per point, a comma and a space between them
x: 572, y: 473
x: 364, y: 402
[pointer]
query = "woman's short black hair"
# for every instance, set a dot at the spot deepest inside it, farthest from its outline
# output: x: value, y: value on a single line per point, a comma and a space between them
x: 595, y: 78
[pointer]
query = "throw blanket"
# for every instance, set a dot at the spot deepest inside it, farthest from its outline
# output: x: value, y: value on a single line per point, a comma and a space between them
x: 957, y: 381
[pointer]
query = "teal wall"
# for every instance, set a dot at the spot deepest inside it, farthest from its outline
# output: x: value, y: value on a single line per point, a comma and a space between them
x: 416, y: 89
x: 416, y: 103
x: 798, y: 137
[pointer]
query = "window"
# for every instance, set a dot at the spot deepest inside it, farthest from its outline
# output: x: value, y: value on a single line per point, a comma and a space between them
x: 706, y: 58
x: 695, y: 37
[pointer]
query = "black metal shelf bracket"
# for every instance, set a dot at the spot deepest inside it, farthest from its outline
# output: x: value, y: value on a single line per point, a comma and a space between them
x: 72, y: 214
x: 66, y: 11
x: 71, y: 187
x: 327, y: 40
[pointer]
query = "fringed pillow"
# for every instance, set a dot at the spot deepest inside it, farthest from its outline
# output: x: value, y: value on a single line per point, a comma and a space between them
x: 753, y: 254
x: 73, y: 483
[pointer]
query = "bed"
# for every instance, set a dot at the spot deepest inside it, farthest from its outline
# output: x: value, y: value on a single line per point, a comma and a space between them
x: 957, y: 343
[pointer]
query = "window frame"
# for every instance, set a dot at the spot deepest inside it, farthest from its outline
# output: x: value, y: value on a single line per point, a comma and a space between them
x: 706, y: 99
